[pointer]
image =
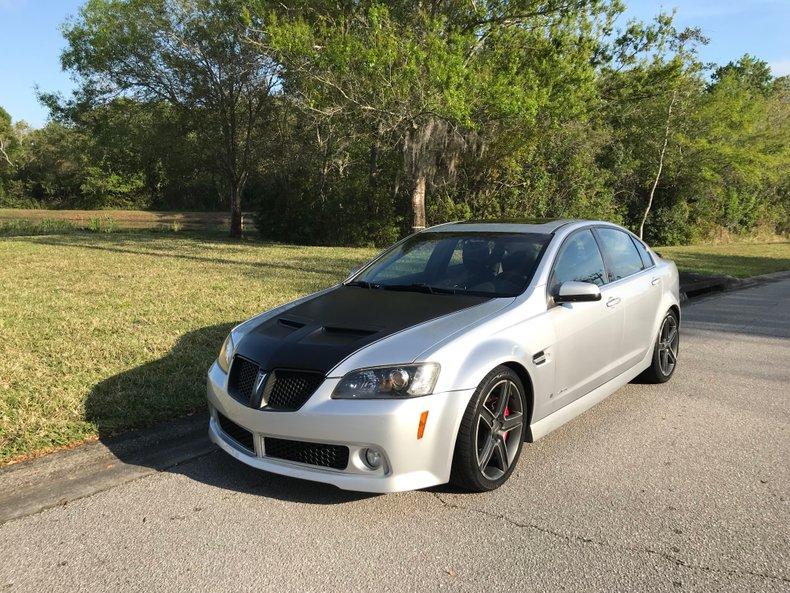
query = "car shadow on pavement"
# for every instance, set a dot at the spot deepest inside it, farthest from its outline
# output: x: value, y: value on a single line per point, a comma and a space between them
x: 175, y: 385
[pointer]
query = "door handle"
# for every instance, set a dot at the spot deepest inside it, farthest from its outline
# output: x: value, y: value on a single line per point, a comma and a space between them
x: 655, y: 281
x: 613, y: 301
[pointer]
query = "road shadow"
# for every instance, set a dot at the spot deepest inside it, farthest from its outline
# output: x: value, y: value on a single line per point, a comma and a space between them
x: 175, y: 386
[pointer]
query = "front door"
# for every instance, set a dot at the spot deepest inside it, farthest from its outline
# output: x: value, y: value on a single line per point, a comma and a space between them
x: 588, y: 334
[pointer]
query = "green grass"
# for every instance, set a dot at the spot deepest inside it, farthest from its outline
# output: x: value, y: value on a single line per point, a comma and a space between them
x: 101, y: 333
x: 741, y: 260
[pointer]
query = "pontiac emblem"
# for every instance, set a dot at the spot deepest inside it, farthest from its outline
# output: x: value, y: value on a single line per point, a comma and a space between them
x: 256, y: 397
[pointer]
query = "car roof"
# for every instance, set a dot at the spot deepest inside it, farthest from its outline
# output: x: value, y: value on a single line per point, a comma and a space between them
x: 540, y: 226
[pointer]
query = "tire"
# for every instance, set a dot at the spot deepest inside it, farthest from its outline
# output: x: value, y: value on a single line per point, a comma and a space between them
x: 665, y: 351
x: 491, y: 434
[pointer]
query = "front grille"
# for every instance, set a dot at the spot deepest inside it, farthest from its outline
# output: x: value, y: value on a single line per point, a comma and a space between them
x: 241, y: 435
x: 242, y: 379
x: 334, y: 456
x: 289, y: 390
x: 284, y: 390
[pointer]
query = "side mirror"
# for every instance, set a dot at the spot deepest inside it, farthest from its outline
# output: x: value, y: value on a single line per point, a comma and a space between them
x: 577, y: 292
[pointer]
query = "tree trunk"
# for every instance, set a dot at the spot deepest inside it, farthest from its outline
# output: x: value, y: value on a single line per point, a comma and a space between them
x: 418, y: 204
x: 235, y: 212
x: 660, y: 164
x: 374, y: 164
x: 373, y: 179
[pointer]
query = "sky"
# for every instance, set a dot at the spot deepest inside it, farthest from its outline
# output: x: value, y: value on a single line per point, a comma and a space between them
x: 31, y: 42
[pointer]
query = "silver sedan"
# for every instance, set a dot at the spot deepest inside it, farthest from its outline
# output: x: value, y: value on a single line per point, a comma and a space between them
x: 438, y: 359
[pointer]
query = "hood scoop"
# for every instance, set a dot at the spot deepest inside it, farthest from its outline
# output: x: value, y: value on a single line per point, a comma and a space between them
x: 282, y: 327
x: 291, y: 324
x: 307, y: 331
x: 337, y: 336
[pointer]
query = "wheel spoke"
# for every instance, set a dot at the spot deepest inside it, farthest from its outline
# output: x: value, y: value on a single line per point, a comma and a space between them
x: 673, y: 332
x: 663, y: 360
x: 487, y: 417
x: 484, y: 457
x: 504, y: 396
x: 512, y: 421
x: 671, y: 355
x: 501, y: 449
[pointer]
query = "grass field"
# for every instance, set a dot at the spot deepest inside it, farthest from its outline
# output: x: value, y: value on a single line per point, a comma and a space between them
x: 100, y: 333
x: 104, y: 332
x: 740, y: 260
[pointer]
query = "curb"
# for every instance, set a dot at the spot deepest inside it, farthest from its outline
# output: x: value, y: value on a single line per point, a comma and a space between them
x: 63, y: 476
x: 701, y: 286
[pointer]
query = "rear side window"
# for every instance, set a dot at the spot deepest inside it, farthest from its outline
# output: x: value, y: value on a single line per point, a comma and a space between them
x: 647, y: 260
x: 579, y: 260
x: 624, y: 259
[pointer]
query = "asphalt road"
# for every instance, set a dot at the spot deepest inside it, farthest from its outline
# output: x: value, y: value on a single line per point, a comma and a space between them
x: 663, y: 488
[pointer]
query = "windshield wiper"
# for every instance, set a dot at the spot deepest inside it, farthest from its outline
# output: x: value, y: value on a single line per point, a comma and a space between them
x: 420, y: 287
x: 363, y: 284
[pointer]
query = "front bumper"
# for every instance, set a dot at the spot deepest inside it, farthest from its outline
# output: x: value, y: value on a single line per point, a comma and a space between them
x: 389, y: 425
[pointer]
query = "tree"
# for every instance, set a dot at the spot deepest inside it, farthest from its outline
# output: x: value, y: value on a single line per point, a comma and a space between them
x: 428, y: 77
x: 647, y: 87
x: 754, y: 73
x: 8, y: 141
x: 737, y: 157
x: 195, y: 55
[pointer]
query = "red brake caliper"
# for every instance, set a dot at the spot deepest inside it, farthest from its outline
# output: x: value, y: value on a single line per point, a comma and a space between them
x: 507, y: 413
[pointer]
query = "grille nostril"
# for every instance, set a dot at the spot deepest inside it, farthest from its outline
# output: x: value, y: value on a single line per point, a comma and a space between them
x: 242, y: 379
x: 289, y: 390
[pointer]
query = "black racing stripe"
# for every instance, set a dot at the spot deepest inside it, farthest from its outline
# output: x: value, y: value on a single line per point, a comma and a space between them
x: 316, y: 335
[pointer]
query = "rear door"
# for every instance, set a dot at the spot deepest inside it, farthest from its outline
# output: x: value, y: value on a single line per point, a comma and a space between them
x: 635, y: 287
x: 587, y: 334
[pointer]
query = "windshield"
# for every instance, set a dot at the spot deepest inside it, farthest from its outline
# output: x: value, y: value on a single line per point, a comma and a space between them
x: 486, y: 264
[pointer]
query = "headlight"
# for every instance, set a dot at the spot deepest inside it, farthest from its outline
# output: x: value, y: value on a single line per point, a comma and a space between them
x: 226, y: 353
x: 407, y: 380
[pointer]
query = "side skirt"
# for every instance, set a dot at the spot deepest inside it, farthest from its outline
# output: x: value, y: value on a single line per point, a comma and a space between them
x: 553, y: 421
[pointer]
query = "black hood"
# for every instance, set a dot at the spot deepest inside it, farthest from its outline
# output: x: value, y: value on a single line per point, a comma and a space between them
x: 317, y: 334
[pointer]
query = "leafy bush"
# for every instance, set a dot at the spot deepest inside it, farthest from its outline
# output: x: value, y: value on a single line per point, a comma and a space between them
x: 104, y: 224
x: 670, y: 226
x: 102, y: 189
x: 48, y: 226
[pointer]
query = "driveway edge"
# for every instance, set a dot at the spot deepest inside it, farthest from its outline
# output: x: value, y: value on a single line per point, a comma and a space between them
x: 693, y: 286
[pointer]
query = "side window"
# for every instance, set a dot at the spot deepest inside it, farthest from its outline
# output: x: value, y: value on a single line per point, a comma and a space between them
x: 623, y: 256
x: 647, y: 260
x: 580, y: 260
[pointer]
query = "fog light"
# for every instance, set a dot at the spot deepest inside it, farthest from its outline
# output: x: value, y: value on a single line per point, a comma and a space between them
x: 372, y: 458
